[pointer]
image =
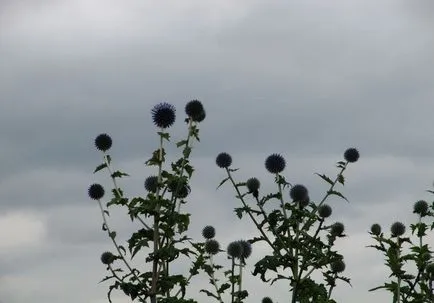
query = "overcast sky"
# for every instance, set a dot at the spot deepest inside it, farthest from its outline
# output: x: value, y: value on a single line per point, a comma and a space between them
x: 306, y: 79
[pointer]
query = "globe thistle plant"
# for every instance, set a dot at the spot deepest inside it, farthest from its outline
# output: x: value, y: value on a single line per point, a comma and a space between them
x: 151, y: 183
x: 324, y: 211
x: 397, y: 229
x: 275, y: 163
x: 223, y: 160
x: 96, y: 191
x: 421, y: 208
x: 194, y: 109
x: 163, y: 115
x: 107, y: 258
x: 235, y: 249
x: 212, y: 247
x: 298, y: 193
x: 253, y: 184
x: 376, y: 229
x: 351, y: 155
x: 103, y: 142
x: 208, y: 232
x: 337, y: 229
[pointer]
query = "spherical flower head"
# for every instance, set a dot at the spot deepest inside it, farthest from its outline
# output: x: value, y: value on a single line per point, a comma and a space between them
x: 103, y: 142
x: 235, y: 249
x: 212, y: 247
x: 397, y: 229
x: 275, y: 163
x: 337, y: 266
x: 163, y: 115
x: 324, y: 211
x: 208, y: 232
x: 253, y: 184
x: 223, y: 160
x: 298, y: 192
x: 421, y: 208
x: 107, y: 258
x: 337, y: 229
x: 267, y: 300
x: 201, y: 117
x: 376, y: 229
x: 247, y: 248
x: 151, y: 184
x: 181, y: 188
x: 96, y: 191
x: 351, y: 155
x: 194, y: 109
x: 305, y: 202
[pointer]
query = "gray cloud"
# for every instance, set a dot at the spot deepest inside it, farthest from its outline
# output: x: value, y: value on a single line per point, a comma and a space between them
x: 303, y: 79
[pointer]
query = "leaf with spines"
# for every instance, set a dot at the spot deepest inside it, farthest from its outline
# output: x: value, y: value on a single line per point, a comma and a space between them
x: 325, y: 178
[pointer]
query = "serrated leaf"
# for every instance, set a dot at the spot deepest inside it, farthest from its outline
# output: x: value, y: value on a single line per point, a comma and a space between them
x: 341, y: 179
x: 100, y: 167
x: 336, y: 193
x: 112, y: 234
x: 118, y: 174
x: 325, y: 178
x: 181, y: 143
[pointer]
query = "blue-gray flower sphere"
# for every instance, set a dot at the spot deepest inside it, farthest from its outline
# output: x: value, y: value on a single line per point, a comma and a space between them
x: 267, y: 300
x: 253, y: 184
x: 298, y: 192
x: 275, y: 163
x: 235, y: 249
x: 107, y: 258
x: 151, y: 183
x: 212, y: 247
x: 337, y: 229
x: 163, y: 115
x: 103, y: 142
x: 194, y: 109
x: 397, y: 229
x: 376, y: 229
x: 351, y: 155
x: 421, y: 208
x: 223, y: 160
x: 247, y: 248
x: 337, y: 266
x: 208, y: 232
x: 324, y: 211
x: 95, y: 191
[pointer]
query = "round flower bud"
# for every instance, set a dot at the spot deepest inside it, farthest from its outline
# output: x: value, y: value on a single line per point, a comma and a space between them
x: 247, y: 248
x: 212, y: 247
x: 235, y: 249
x: 208, y: 232
x: 96, y: 191
x: 376, y: 229
x: 324, y: 211
x: 337, y: 266
x: 275, y: 163
x: 103, y: 142
x: 253, y: 184
x: 107, y: 258
x: 163, y: 115
x: 397, y: 229
x: 337, y: 229
x: 223, y: 160
x: 298, y: 192
x: 421, y: 208
x: 194, y: 109
x: 267, y: 300
x: 151, y: 183
x: 351, y: 155
x: 305, y: 202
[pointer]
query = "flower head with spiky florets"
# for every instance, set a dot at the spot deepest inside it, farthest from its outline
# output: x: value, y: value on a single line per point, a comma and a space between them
x: 163, y: 115
x: 376, y: 229
x: 421, y: 208
x: 324, y: 211
x: 194, y: 109
x: 298, y: 192
x: 253, y: 184
x: 247, y: 248
x: 351, y: 155
x: 337, y: 266
x: 96, y: 191
x: 212, y: 246
x: 107, y: 258
x: 337, y: 229
x: 151, y: 183
x: 397, y: 229
x: 103, y: 142
x: 208, y: 232
x: 266, y: 300
x: 275, y: 163
x: 223, y: 160
x: 235, y: 249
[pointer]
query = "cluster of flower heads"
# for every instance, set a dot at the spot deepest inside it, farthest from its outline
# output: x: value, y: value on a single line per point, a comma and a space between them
x: 164, y: 114
x: 237, y: 249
